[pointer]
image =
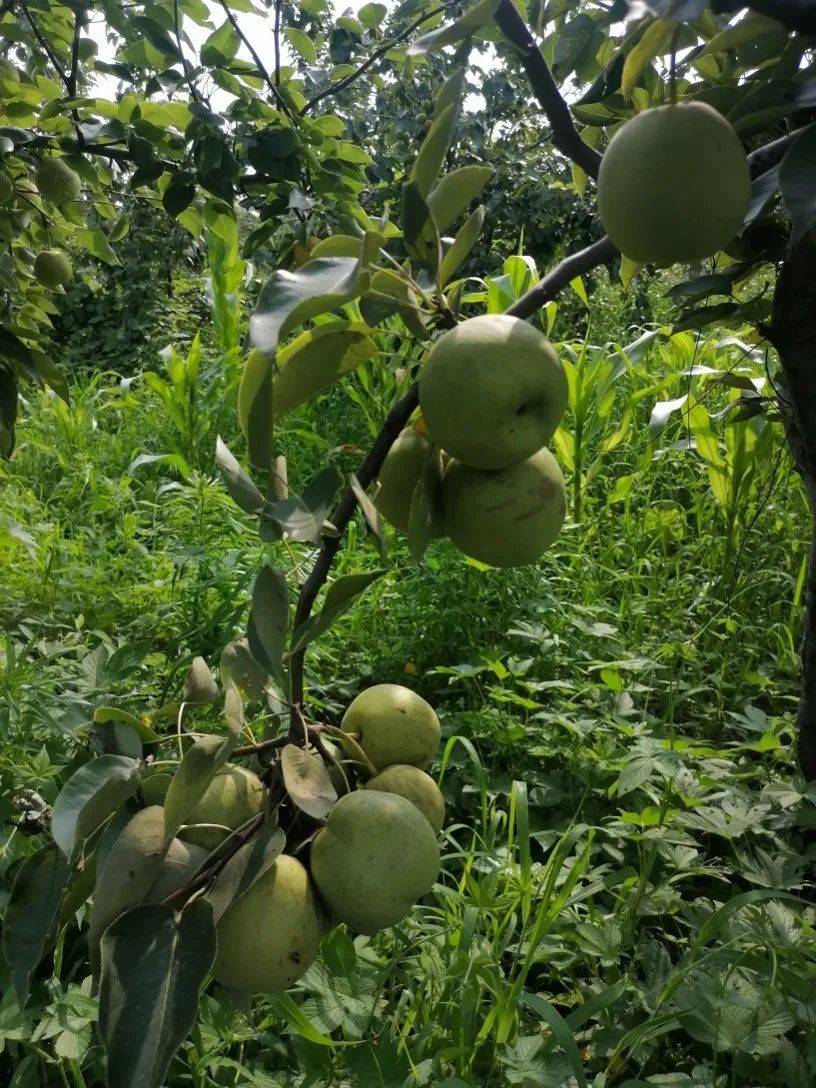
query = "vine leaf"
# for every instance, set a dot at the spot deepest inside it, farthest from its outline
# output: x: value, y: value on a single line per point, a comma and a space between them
x: 30, y: 914
x: 307, y: 781
x: 339, y: 598
x: 153, y: 969
x: 89, y: 796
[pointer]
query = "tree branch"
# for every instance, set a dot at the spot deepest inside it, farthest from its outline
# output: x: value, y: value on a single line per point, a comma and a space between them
x: 278, y: 5
x: 565, y: 136
x: 369, y: 470
x: 71, y: 80
x: 184, y: 63
x: 796, y: 15
x: 375, y: 56
x: 600, y: 252
x: 276, y: 92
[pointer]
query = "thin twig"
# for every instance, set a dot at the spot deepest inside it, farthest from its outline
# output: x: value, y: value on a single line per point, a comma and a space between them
x: 565, y: 136
x: 375, y: 56
x: 49, y: 52
x: 600, y: 252
x: 184, y: 62
x: 276, y: 92
x: 278, y: 5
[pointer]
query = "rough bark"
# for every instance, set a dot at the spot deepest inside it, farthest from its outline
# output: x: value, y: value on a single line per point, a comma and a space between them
x: 794, y: 335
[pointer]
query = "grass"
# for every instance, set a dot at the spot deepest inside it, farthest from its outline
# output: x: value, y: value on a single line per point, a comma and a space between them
x: 625, y: 896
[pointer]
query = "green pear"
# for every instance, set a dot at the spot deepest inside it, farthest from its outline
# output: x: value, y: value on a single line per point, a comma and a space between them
x: 395, y: 725
x: 415, y: 786
x: 492, y: 391
x: 154, y: 787
x: 674, y: 184
x: 234, y: 796
x: 56, y: 181
x: 271, y: 935
x: 507, y: 518
x: 374, y: 858
x: 399, y: 476
x: 53, y: 268
x: 181, y: 862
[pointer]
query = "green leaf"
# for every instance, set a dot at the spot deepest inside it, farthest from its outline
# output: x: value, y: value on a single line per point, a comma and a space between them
x: 339, y: 598
x: 256, y: 408
x: 246, y: 865
x: 156, y: 35
x: 797, y: 180
x: 425, y: 516
x: 290, y: 298
x: 651, y: 45
x: 13, y: 348
x: 307, y: 781
x: 179, y: 194
x: 480, y: 15
x: 240, y: 486
x: 199, y: 684
x: 450, y: 93
x: 153, y: 970
x: 95, y: 242
x: 240, y: 668
x: 269, y: 620
x: 31, y: 912
x: 303, y: 518
x: 432, y: 153
x: 372, y: 15
x: 301, y: 43
x: 315, y: 360
x: 196, y: 771
x: 89, y: 796
x: 463, y: 243
x: 455, y: 192
x: 108, y: 715
x: 297, y: 1020
x: 560, y: 1029
x: 221, y: 46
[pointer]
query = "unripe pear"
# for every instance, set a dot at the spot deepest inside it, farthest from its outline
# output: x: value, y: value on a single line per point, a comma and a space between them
x: 395, y: 725
x: 56, y: 181
x: 181, y: 862
x: 399, y: 476
x: 507, y: 518
x: 492, y: 391
x: 154, y: 788
x: 374, y: 858
x: 52, y: 268
x: 674, y: 184
x: 234, y: 796
x: 415, y: 786
x: 271, y: 935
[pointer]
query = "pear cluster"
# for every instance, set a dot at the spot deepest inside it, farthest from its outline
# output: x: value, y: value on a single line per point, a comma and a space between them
x: 492, y: 393
x: 375, y: 856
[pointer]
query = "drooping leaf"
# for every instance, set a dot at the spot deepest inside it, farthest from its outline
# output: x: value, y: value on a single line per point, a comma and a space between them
x: 307, y: 781
x: 455, y: 193
x: 303, y: 518
x: 339, y: 598
x: 479, y: 16
x: 240, y: 668
x: 199, y: 684
x: 195, y: 772
x: 290, y: 298
x: 246, y: 865
x: 797, y: 180
x: 651, y: 45
x: 89, y: 796
x: 153, y: 968
x: 269, y: 620
x: 463, y: 243
x: 32, y: 909
x: 240, y: 486
x: 315, y: 360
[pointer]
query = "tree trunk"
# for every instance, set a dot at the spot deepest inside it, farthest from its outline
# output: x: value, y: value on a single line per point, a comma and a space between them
x: 794, y: 335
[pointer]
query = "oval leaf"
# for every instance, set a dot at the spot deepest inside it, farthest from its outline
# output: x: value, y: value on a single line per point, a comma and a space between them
x: 269, y: 620
x: 307, y: 781
x: 89, y: 796
x: 196, y: 771
x: 245, y: 867
x: 30, y: 914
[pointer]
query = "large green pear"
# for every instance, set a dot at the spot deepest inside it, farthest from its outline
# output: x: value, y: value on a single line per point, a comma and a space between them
x: 674, y: 184
x: 374, y: 858
x: 395, y: 725
x: 53, y: 268
x: 415, y: 786
x: 492, y: 391
x: 56, y: 181
x: 507, y: 518
x: 399, y: 476
x: 234, y: 796
x: 270, y: 936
